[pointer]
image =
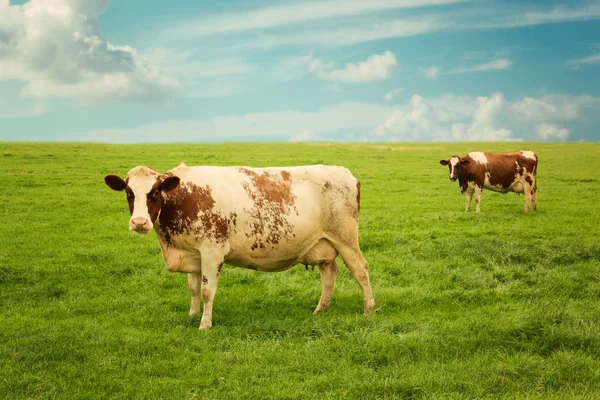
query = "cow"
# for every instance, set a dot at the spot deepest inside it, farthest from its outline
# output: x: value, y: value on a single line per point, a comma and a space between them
x: 265, y: 219
x: 513, y: 172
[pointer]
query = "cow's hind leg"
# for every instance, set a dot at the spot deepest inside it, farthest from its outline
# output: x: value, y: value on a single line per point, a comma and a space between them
x: 477, y: 198
x: 534, y: 193
x: 194, y: 284
x: 329, y: 271
x: 528, y: 190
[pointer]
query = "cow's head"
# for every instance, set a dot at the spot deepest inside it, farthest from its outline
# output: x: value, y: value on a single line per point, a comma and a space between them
x: 143, y: 187
x: 455, y: 164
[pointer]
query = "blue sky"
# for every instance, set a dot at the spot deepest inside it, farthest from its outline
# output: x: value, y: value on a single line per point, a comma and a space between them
x: 343, y: 70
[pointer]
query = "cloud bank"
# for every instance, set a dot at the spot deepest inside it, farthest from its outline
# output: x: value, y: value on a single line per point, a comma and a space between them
x: 57, y: 49
x: 420, y: 119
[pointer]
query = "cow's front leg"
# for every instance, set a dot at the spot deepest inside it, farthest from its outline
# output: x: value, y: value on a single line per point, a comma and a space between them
x: 194, y: 284
x: 468, y: 196
x: 477, y: 198
x: 212, y: 259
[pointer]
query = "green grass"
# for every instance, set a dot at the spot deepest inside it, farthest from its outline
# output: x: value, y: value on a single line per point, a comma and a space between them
x: 502, y: 304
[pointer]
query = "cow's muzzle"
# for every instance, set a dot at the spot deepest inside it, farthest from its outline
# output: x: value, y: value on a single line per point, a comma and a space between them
x: 452, y: 178
x: 140, y: 225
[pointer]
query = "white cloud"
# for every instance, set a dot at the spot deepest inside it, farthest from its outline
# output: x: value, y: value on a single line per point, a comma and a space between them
x: 550, y: 132
x: 556, y: 14
x: 485, y: 118
x: 261, y: 27
x: 55, y: 46
x: 489, y: 66
x: 350, y: 34
x: 306, y: 136
x: 442, y: 118
x: 375, y: 67
x: 433, y: 72
x: 430, y: 73
x: 487, y: 124
x: 552, y: 107
x: 593, y: 59
x: 286, y: 15
x: 393, y: 93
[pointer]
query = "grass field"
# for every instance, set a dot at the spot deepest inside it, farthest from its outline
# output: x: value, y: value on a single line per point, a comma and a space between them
x: 500, y: 304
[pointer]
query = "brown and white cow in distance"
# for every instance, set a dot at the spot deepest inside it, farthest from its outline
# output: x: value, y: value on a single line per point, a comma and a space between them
x: 514, y: 172
x: 266, y: 219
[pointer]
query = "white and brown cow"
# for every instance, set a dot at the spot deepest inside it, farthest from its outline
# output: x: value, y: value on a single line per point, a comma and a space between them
x: 266, y: 219
x: 514, y: 172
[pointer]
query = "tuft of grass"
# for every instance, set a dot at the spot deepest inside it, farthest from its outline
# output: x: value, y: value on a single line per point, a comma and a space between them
x: 500, y: 304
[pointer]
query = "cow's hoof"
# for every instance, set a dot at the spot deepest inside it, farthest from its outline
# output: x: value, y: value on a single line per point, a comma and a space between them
x: 320, y: 309
x: 194, y: 312
x: 206, y: 323
x: 370, y: 307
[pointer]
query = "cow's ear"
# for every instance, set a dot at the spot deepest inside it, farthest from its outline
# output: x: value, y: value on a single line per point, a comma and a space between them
x: 444, y: 162
x: 464, y: 162
x: 115, y: 182
x: 168, y: 184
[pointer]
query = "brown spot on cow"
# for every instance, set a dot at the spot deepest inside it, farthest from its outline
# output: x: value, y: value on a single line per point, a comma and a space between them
x: 502, y: 171
x: 190, y: 209
x: 273, y: 201
x: 219, y: 268
x: 154, y: 203
x: 130, y: 198
x: 204, y: 280
x: 528, y: 180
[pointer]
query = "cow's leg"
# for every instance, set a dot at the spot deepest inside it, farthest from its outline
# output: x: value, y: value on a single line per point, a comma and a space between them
x: 469, y: 196
x: 477, y: 190
x: 534, y: 198
x: 329, y: 271
x: 194, y: 283
x: 528, y: 190
x: 358, y: 265
x: 212, y: 259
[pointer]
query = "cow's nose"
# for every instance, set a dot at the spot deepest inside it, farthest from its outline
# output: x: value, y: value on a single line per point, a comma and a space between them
x: 139, y: 223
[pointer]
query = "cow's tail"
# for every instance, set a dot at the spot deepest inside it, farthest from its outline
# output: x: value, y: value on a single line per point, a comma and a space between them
x: 357, y: 197
x: 535, y: 181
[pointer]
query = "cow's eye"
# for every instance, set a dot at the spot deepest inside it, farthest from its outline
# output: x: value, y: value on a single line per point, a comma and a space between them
x: 155, y: 194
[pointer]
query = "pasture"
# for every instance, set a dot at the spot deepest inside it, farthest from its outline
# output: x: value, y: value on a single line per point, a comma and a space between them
x: 501, y: 304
